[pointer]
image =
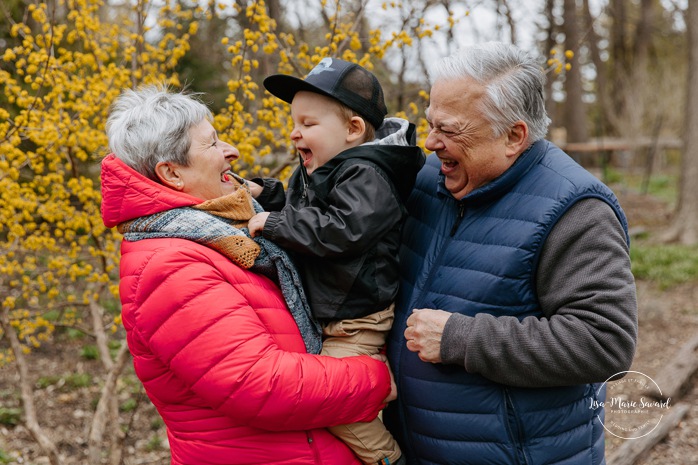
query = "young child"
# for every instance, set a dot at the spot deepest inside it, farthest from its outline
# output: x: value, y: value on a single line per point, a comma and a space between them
x: 343, y: 215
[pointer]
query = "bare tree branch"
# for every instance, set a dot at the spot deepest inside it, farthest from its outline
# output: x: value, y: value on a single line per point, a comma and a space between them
x: 27, y: 394
x: 104, y: 414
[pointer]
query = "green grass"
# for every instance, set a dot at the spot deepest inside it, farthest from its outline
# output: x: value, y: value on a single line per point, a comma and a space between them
x: 663, y: 185
x: 667, y: 265
x: 154, y: 444
x: 114, y: 347
x: 128, y: 405
x: 10, y: 416
x: 5, y: 457
x: 89, y: 352
x: 112, y: 306
x: 156, y: 423
x: 67, y: 382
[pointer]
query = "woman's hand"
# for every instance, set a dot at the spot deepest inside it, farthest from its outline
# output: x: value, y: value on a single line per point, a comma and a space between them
x: 393, y: 387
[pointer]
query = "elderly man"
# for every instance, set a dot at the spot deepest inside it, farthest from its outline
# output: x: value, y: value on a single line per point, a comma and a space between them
x: 517, y: 300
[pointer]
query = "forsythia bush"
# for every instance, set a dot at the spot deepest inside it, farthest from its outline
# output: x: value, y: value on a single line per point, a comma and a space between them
x: 258, y: 123
x: 60, y: 72
x: 58, y: 80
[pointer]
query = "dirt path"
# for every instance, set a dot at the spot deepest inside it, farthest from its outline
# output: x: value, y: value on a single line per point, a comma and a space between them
x: 667, y: 321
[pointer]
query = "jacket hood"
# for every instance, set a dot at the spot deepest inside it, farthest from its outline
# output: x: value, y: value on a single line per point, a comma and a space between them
x: 127, y: 194
x: 394, y: 151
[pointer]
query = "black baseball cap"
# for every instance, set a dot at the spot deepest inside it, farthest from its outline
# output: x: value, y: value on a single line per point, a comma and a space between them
x: 347, y: 82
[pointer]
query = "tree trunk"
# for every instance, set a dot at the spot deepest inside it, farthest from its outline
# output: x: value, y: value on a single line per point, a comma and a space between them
x: 636, y: 107
x: 601, y: 122
x: 684, y: 226
x: 575, y: 115
x: 550, y: 106
x: 504, y: 10
x: 618, y: 66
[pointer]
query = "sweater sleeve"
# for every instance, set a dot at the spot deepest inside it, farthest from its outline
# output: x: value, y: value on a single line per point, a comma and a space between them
x: 208, y: 325
x: 587, y: 293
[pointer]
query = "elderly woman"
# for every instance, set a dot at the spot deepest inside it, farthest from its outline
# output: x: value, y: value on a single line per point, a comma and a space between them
x: 217, y: 323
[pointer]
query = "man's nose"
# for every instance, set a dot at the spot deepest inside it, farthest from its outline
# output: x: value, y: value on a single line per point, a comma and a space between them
x: 433, y: 142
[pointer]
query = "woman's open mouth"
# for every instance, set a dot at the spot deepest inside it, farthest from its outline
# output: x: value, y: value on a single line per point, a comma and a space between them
x: 227, y: 176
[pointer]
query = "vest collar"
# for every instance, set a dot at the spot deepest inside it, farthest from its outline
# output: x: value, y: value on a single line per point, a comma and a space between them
x: 502, y: 184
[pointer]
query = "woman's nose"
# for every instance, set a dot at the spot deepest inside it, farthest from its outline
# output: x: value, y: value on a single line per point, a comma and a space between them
x: 230, y: 152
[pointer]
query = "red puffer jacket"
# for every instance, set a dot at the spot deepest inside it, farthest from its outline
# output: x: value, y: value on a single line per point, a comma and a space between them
x: 219, y: 353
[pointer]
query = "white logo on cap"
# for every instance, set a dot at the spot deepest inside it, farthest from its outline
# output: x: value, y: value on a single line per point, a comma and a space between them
x: 324, y: 65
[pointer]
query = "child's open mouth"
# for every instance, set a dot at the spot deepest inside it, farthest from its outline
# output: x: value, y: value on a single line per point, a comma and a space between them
x: 306, y: 155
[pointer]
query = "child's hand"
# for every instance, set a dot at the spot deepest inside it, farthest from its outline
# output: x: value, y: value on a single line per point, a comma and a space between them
x: 256, y: 223
x: 255, y: 189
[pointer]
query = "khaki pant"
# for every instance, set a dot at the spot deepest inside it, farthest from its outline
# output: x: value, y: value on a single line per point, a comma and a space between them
x: 371, y: 441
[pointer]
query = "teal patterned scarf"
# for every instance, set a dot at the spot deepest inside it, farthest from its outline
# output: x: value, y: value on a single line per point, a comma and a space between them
x: 221, y: 224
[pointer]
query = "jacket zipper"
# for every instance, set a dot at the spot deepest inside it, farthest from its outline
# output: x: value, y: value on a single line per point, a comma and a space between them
x: 513, y: 421
x: 304, y: 176
x: 419, y: 301
x: 459, y: 218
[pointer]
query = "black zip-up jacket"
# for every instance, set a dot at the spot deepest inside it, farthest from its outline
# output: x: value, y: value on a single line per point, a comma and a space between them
x: 342, y: 224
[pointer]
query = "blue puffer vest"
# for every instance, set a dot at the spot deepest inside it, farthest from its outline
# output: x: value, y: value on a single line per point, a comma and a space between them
x: 477, y: 255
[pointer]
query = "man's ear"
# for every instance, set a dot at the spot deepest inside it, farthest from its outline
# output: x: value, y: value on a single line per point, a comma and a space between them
x: 517, y: 138
x: 169, y: 175
x: 356, y: 129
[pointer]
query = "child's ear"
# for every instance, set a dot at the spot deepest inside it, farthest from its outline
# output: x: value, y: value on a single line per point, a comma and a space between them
x: 356, y: 129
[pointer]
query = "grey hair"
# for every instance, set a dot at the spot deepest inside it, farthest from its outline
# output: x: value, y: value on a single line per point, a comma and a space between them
x: 152, y: 125
x: 513, y: 81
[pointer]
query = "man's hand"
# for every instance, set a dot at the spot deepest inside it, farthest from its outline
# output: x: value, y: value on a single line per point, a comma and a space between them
x: 424, y: 330
x: 256, y: 223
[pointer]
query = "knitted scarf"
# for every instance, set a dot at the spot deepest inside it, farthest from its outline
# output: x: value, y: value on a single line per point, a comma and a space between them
x: 221, y: 224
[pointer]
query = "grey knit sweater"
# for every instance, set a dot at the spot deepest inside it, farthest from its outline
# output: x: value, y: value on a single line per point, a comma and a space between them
x: 587, y: 293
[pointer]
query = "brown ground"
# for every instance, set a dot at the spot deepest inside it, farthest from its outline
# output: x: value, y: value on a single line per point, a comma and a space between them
x: 667, y: 319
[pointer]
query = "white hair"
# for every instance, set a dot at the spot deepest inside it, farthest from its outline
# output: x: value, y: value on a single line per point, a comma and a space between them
x: 152, y: 124
x: 513, y: 81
